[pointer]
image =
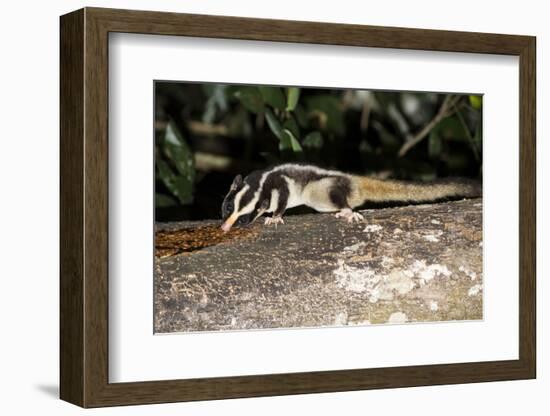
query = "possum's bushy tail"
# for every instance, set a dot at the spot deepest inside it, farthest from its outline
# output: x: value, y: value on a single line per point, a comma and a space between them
x: 377, y: 190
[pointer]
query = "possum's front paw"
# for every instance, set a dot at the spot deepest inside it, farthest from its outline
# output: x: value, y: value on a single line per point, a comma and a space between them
x: 349, y: 215
x: 274, y: 221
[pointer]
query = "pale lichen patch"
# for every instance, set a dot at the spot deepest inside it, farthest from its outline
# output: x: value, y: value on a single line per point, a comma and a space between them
x: 475, y: 290
x: 471, y: 274
x: 434, y: 306
x: 355, y: 247
x: 372, y: 228
x: 395, y: 282
x: 374, y: 295
x: 363, y: 322
x: 375, y: 286
x: 341, y: 318
x: 397, y: 318
x: 433, y: 237
x: 387, y: 261
x: 427, y: 272
x: 355, y: 279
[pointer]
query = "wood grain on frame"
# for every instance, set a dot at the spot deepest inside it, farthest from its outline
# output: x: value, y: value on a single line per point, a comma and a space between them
x: 72, y: 212
x: 84, y: 207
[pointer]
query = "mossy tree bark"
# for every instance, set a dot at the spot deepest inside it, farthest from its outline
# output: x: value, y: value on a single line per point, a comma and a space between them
x: 409, y: 264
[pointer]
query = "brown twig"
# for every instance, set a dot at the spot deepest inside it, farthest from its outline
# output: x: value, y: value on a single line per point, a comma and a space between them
x: 447, y: 108
x: 468, y: 133
x: 207, y: 129
x: 365, y: 116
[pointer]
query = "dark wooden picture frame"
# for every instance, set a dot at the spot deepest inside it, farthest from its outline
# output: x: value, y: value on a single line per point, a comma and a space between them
x: 84, y: 207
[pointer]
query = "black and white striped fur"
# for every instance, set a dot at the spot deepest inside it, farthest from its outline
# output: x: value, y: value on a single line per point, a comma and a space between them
x: 274, y: 190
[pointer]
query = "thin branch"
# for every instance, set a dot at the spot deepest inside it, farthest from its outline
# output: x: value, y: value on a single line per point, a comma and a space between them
x: 447, y: 108
x: 365, y: 116
x: 199, y: 128
x: 207, y: 129
x: 468, y: 133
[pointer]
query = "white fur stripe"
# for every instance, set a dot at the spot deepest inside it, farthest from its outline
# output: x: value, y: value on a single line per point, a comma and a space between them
x: 274, y: 201
x: 238, y: 199
x: 315, y: 169
x: 250, y: 206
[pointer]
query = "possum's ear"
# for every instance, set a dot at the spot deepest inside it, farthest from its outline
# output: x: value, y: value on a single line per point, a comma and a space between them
x: 236, y: 182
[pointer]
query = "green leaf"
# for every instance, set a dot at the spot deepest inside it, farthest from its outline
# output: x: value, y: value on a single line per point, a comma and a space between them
x: 477, y: 142
x: 477, y: 135
x: 313, y: 140
x: 292, y: 141
x: 174, y: 148
x: 284, y: 142
x: 291, y: 125
x: 273, y: 96
x: 476, y: 101
x: 451, y: 128
x: 164, y: 201
x: 179, y: 152
x: 301, y: 116
x: 457, y: 162
x: 250, y: 98
x: 274, y: 124
x: 292, y: 96
x: 217, y: 100
x: 330, y: 106
x: 177, y: 185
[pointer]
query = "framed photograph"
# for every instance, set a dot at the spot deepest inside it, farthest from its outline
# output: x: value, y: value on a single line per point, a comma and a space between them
x: 256, y: 207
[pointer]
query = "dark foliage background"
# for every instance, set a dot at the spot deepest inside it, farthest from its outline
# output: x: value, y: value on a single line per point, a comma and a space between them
x: 207, y: 133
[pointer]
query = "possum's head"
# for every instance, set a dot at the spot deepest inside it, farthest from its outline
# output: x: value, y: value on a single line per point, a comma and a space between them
x: 242, y: 205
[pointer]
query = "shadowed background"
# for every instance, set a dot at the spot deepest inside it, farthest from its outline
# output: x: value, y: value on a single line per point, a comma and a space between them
x: 205, y: 134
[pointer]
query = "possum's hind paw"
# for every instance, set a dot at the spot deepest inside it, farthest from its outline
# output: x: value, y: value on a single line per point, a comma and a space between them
x: 349, y: 215
x: 274, y: 221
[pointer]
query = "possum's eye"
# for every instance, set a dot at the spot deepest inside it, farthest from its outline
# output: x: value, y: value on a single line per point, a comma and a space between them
x: 243, y: 220
x: 227, y: 209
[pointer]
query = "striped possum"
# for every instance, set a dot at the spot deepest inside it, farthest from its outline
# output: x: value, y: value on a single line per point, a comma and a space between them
x: 274, y: 190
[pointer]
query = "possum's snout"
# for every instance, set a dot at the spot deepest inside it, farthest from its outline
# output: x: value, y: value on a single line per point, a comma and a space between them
x: 226, y: 226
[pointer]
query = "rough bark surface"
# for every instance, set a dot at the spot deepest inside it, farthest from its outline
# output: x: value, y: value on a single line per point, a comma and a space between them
x: 409, y: 264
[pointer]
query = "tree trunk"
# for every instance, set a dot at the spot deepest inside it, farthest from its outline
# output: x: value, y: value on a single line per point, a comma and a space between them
x: 409, y: 264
